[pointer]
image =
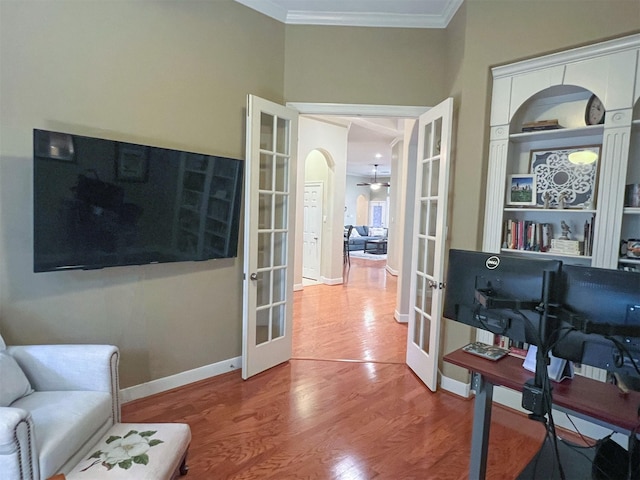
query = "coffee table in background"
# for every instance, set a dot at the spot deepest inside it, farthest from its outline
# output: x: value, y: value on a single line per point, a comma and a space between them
x: 377, y: 247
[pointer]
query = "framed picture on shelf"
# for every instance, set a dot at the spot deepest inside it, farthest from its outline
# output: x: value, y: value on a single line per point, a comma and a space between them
x: 132, y: 163
x: 521, y: 189
x: 566, y: 177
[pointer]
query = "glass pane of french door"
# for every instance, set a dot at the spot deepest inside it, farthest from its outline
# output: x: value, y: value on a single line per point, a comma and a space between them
x: 428, y: 213
x: 273, y: 227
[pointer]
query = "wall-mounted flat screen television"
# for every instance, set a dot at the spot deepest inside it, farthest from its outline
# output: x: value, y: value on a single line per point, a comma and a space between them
x: 103, y: 203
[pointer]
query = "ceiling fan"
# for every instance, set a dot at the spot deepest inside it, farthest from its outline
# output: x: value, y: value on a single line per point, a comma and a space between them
x: 375, y: 184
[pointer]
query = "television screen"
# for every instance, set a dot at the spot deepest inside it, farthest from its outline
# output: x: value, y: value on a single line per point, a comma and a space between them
x: 498, y: 293
x: 599, y: 318
x: 102, y: 203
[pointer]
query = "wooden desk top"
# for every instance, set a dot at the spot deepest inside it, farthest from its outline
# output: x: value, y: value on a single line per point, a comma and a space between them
x: 595, y: 399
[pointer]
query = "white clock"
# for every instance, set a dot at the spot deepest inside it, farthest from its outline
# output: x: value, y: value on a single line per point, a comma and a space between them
x: 594, y: 113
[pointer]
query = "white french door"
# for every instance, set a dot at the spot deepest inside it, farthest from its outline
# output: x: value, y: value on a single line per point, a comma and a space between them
x: 429, y: 242
x: 270, y: 185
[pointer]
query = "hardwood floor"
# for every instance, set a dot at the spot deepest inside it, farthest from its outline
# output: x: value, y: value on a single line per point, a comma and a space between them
x: 352, y: 321
x: 346, y: 407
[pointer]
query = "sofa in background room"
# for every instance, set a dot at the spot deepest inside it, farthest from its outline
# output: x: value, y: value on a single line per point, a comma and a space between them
x: 362, y: 233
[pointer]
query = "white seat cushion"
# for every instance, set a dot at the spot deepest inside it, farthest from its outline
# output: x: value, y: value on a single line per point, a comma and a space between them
x: 63, y: 422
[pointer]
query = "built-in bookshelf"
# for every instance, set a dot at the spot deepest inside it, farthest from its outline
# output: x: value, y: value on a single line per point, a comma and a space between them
x: 538, y: 118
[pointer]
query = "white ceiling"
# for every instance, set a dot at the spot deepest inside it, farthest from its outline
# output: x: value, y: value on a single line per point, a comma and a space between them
x: 368, y: 136
x: 370, y: 141
x: 362, y: 13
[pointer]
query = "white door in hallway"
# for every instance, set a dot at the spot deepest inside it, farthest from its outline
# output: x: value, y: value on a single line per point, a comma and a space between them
x: 429, y: 242
x: 312, y: 225
x: 270, y: 185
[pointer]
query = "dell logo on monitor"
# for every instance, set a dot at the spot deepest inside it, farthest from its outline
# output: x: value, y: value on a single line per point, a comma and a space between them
x: 492, y: 262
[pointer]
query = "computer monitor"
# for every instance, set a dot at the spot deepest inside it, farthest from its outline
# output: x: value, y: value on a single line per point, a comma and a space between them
x: 597, y: 322
x: 499, y: 293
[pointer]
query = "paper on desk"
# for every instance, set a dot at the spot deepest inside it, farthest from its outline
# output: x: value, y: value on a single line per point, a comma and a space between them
x: 558, y: 368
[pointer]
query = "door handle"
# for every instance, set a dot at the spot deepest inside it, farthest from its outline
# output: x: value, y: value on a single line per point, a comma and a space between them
x: 253, y: 276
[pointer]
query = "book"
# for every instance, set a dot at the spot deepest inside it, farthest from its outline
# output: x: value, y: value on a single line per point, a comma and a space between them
x: 527, y: 235
x: 551, y: 121
x: 518, y: 352
x: 539, y: 128
x: 540, y: 125
x: 568, y: 247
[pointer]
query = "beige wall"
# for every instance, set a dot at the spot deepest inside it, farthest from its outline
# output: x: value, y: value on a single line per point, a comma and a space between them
x: 175, y: 73
x: 382, y: 66
x: 170, y: 73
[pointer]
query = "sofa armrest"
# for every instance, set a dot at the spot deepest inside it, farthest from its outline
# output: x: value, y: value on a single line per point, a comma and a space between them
x: 18, y: 457
x: 71, y: 367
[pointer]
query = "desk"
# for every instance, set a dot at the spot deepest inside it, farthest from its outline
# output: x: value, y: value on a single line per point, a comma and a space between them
x: 598, y: 402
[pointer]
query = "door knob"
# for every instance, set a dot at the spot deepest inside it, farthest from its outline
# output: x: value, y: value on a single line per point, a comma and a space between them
x: 253, y: 276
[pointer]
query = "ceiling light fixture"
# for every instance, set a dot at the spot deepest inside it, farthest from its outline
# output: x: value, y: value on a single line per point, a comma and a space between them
x: 375, y: 184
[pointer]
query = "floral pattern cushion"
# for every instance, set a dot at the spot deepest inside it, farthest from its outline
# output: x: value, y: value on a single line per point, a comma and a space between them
x: 136, y: 451
x: 123, y: 452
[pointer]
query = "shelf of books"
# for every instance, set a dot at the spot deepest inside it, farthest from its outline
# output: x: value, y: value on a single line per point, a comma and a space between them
x: 538, y: 237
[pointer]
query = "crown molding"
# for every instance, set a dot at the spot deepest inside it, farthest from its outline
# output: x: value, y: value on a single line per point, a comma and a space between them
x: 360, y: 19
x: 368, y: 19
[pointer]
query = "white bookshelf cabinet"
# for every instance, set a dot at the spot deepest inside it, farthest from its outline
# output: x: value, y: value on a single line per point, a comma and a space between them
x: 558, y: 86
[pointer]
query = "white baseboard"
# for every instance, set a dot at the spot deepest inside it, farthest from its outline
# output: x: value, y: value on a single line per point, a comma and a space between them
x: 297, y: 287
x: 401, y: 317
x: 179, y: 379
x: 331, y: 281
x: 455, y: 386
x: 392, y: 271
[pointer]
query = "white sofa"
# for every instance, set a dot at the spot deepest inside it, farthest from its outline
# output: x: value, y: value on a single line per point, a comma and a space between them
x: 56, y: 402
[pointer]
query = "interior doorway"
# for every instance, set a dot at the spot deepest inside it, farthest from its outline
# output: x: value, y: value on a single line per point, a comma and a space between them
x: 397, y: 211
x: 312, y: 235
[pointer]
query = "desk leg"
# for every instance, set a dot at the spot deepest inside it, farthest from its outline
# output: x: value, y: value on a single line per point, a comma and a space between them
x: 481, y: 424
x: 634, y: 455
